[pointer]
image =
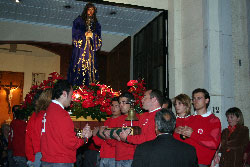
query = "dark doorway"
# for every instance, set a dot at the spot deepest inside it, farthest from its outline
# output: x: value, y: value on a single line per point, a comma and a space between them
x: 118, y: 65
x: 150, y: 52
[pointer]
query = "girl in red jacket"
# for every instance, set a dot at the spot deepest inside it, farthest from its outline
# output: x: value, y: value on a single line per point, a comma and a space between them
x: 34, y: 127
x: 182, y: 105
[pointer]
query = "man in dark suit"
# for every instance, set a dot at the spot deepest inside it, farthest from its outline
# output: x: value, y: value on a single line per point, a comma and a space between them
x: 165, y: 151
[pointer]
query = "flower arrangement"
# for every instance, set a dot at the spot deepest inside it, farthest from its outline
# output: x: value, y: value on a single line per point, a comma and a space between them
x: 137, y: 88
x: 28, y: 105
x: 93, y: 100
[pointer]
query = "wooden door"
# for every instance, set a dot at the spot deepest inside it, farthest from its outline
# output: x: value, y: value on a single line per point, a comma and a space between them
x: 118, y: 65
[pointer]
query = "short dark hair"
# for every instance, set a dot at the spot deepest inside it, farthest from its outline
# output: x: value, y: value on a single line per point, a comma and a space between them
x: 19, y: 114
x: 115, y: 99
x: 167, y: 101
x: 129, y: 96
x: 204, y: 91
x: 157, y: 94
x: 15, y: 107
x: 237, y: 112
x: 165, y: 125
x: 60, y: 86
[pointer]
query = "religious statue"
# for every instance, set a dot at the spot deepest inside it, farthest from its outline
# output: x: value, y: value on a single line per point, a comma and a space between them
x: 9, y: 89
x: 86, y: 36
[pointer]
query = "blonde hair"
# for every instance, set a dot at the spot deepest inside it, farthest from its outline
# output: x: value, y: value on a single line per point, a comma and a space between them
x: 185, y: 100
x: 44, y: 100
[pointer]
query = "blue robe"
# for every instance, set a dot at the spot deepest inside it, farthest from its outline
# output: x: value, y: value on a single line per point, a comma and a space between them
x: 82, y: 69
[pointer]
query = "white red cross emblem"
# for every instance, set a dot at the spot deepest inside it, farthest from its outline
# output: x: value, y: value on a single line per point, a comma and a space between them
x: 200, y: 131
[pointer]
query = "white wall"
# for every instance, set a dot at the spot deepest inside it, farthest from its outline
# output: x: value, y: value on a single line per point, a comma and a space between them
x: 37, y: 61
x: 219, y: 81
x: 193, y: 64
x: 175, y: 47
x: 241, y: 53
x: 186, y: 59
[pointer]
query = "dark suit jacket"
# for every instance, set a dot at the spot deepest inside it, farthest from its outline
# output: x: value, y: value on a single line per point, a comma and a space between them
x: 165, y: 151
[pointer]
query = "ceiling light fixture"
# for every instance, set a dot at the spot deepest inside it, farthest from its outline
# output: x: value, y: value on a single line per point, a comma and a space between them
x: 112, y: 13
x: 67, y: 7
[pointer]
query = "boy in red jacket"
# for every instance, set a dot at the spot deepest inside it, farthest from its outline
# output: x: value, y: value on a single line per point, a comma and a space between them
x: 17, y: 138
x: 107, y: 152
x: 59, y: 142
x: 124, y: 152
x: 203, y: 128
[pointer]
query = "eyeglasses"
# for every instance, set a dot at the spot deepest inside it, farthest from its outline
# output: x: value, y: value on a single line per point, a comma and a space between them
x: 197, y: 98
x: 124, y: 102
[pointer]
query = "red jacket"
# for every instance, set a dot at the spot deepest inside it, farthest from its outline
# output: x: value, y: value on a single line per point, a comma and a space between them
x: 205, y: 137
x: 58, y: 142
x: 33, y: 135
x: 106, y: 151
x: 147, y: 125
x: 124, y: 151
x: 181, y: 121
x: 16, y: 140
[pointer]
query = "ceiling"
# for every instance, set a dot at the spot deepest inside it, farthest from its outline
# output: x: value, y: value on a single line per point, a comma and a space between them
x: 114, y: 18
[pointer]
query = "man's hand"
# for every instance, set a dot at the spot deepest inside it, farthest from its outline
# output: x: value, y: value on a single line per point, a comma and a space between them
x: 124, y: 134
x: 101, y: 129
x: 187, y: 131
x: 116, y: 136
x: 216, y: 158
x: 107, y: 134
x: 86, y: 131
x: 96, y: 129
x: 179, y: 129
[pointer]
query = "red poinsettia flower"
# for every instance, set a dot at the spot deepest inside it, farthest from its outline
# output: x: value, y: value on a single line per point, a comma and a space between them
x: 137, y: 89
x: 108, y: 110
x: 106, y: 103
x: 27, y: 105
x: 98, y: 92
x: 132, y: 82
x: 34, y: 87
x: 87, y: 103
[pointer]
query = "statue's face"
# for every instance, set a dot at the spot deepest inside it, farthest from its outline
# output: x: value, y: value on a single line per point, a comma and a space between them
x: 90, y: 11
